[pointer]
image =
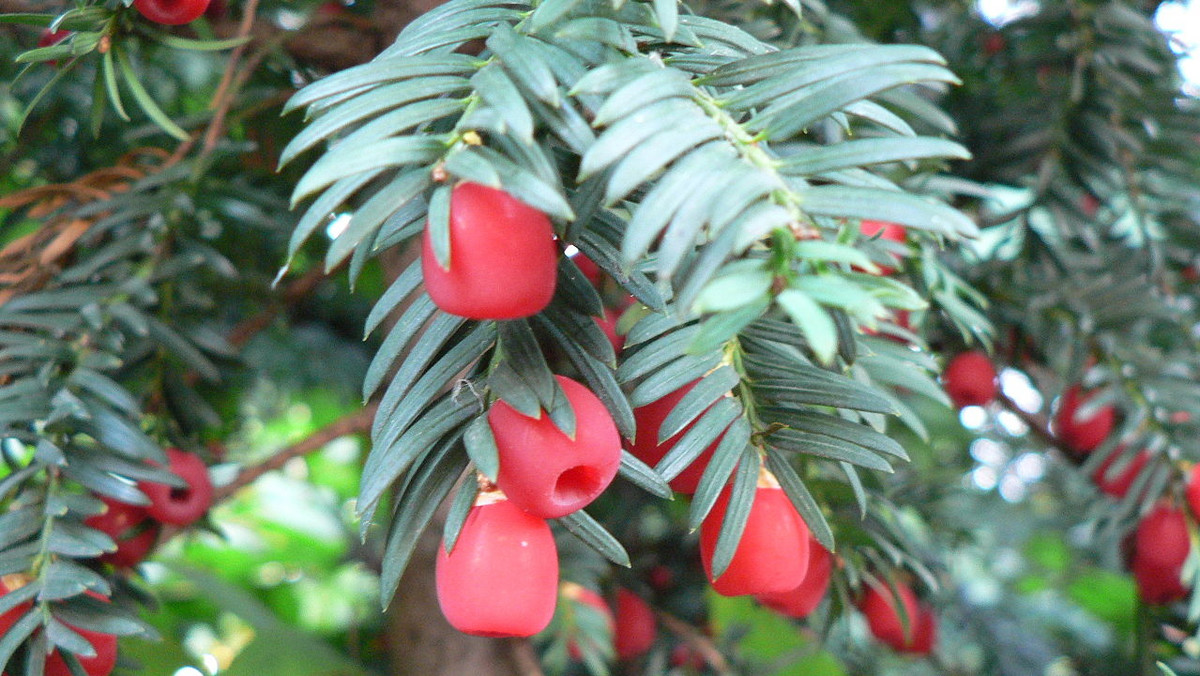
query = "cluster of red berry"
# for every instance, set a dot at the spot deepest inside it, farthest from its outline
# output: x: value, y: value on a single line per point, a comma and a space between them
x: 1159, y: 546
x: 501, y: 576
x: 134, y: 529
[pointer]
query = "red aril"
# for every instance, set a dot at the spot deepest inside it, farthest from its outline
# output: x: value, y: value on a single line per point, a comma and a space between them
x: 925, y: 636
x: 636, y: 628
x: 646, y: 447
x: 1117, y: 485
x: 913, y: 634
x: 892, y: 232
x: 802, y: 600
x: 100, y: 664
x: 180, y: 506
x: 1192, y: 491
x: 8, y: 619
x: 171, y: 12
x: 589, y: 268
x: 772, y: 555
x: 547, y: 473
x: 502, y: 577
x: 970, y: 379
x: 586, y: 601
x: 503, y: 261
x: 608, y: 324
x: 130, y: 527
x: 1082, y: 435
x: 1160, y: 547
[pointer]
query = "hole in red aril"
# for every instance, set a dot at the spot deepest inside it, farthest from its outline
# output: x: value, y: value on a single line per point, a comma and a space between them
x: 581, y: 482
x: 180, y: 494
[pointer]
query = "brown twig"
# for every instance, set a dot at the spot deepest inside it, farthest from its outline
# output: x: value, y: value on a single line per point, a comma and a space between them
x: 247, y: 328
x: 355, y: 423
x: 223, y: 98
x: 695, y: 638
x: 1039, y: 425
x: 526, y: 660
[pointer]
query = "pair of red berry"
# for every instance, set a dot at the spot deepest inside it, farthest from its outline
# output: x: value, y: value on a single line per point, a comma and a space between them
x: 135, y: 528
x: 501, y: 578
x: 103, y: 645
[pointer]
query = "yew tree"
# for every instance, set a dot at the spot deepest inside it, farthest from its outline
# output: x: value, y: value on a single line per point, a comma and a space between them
x: 598, y: 337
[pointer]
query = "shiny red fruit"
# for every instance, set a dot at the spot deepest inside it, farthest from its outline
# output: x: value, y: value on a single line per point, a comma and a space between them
x: 50, y: 37
x: 1160, y: 547
x: 646, y: 447
x: 1083, y: 435
x: 1192, y: 491
x: 608, y: 324
x: 892, y: 232
x: 503, y: 261
x: 171, y: 12
x: 802, y: 600
x: 772, y: 555
x: 993, y: 44
x: 547, y: 473
x: 100, y: 664
x: 882, y: 610
x: 1117, y: 485
x: 588, y: 267
x: 8, y: 619
x: 970, y: 379
x: 583, y: 596
x: 636, y: 628
x: 130, y: 527
x: 180, y: 506
x: 502, y: 577
x: 684, y: 655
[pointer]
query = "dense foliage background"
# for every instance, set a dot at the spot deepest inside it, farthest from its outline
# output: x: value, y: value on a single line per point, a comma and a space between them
x: 142, y: 305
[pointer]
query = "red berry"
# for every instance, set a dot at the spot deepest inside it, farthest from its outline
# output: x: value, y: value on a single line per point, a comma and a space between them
x: 1160, y: 547
x: 892, y: 232
x: 50, y: 37
x: 547, y: 473
x: 100, y: 664
x: 587, y: 601
x: 171, y: 12
x: 502, y: 577
x: 646, y: 447
x: 802, y: 600
x: 970, y: 379
x: 925, y: 636
x: 636, y: 629
x: 8, y: 619
x: 130, y: 527
x: 608, y: 324
x: 588, y: 267
x: 503, y: 262
x: 104, y: 645
x: 993, y: 44
x: 879, y: 605
x: 684, y: 655
x: 216, y: 10
x: 772, y: 555
x: 180, y: 506
x: 1192, y: 492
x: 1082, y: 435
x: 1118, y: 486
